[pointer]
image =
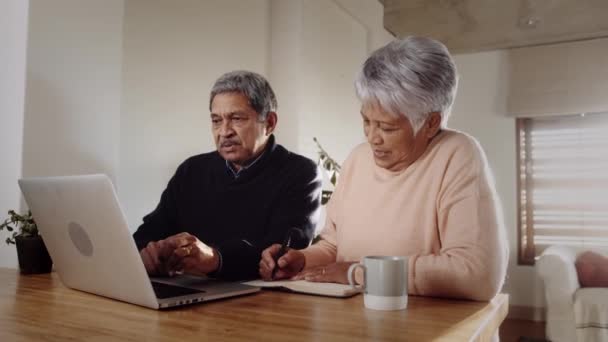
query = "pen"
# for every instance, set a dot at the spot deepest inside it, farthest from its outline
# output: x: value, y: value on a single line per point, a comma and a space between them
x: 284, y: 247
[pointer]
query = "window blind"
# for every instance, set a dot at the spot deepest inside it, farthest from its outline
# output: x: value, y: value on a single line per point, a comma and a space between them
x: 563, y: 188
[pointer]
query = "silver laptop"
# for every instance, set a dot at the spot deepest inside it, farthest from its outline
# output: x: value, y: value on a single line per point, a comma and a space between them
x: 87, y: 236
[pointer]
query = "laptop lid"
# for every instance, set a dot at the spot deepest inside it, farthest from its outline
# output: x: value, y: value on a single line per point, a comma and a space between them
x: 86, y: 234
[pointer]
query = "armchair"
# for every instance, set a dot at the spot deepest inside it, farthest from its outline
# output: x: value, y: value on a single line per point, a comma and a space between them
x: 573, y: 313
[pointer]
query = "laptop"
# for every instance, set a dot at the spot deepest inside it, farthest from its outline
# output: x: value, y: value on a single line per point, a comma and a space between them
x: 87, y: 236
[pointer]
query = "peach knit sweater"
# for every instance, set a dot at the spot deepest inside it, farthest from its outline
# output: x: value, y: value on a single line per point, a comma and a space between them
x: 442, y: 212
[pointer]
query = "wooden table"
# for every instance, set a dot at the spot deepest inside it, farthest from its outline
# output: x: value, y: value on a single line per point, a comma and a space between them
x: 40, y: 308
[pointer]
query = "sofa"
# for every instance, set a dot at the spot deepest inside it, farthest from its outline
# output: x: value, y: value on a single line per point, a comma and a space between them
x: 573, y: 313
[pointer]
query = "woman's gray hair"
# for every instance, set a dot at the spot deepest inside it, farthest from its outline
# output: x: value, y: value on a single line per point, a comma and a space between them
x: 254, y: 86
x: 413, y: 77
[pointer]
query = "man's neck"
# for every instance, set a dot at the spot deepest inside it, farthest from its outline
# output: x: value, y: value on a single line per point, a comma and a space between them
x: 250, y: 161
x: 238, y: 168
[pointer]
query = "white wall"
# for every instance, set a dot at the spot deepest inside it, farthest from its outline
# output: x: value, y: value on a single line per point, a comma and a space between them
x: 13, y: 40
x: 173, y: 53
x: 369, y: 14
x: 480, y: 109
x: 284, y: 57
x: 317, y: 48
x: 333, y: 46
x: 73, y: 91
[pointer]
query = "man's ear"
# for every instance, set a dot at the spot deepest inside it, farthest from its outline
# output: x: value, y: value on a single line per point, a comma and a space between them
x: 271, y: 122
x: 433, y: 124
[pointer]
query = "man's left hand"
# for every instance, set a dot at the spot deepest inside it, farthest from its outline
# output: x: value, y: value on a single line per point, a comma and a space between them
x: 331, y: 273
x: 192, y: 256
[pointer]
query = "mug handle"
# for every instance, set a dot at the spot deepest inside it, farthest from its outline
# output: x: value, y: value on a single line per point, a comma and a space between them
x: 351, y: 276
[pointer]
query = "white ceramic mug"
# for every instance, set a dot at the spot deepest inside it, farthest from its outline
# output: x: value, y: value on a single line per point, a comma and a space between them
x: 385, y: 282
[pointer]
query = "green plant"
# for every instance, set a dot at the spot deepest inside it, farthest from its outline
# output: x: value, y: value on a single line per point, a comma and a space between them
x: 331, y: 167
x: 19, y: 225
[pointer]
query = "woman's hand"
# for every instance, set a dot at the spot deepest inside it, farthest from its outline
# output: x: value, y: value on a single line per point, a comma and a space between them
x: 289, y: 265
x: 331, y: 273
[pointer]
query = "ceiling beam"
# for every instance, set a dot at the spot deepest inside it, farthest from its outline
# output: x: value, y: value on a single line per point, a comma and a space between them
x: 477, y: 25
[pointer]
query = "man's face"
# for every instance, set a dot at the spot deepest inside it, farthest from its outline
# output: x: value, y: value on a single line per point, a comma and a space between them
x: 239, y: 135
x: 392, y: 138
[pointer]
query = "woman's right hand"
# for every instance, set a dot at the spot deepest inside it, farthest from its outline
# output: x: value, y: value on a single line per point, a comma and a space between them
x: 289, y: 265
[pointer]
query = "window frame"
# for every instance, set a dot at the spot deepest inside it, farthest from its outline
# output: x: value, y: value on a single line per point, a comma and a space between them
x: 523, y: 254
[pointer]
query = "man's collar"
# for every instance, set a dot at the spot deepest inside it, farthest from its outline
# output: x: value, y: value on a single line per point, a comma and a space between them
x: 236, y: 173
x: 269, y: 146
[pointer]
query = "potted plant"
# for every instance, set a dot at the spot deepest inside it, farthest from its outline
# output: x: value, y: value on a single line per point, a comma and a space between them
x: 331, y: 167
x: 31, y: 251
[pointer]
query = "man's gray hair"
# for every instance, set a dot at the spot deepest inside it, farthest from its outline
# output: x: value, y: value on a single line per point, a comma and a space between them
x: 414, y: 77
x: 254, y: 86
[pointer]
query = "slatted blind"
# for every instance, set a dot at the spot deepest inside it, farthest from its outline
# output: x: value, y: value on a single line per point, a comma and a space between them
x: 563, y: 188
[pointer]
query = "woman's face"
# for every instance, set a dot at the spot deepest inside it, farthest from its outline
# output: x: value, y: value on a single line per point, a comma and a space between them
x: 392, y: 137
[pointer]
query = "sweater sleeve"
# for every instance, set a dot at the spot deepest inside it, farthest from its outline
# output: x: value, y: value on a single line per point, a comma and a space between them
x: 161, y: 222
x: 473, y: 257
x: 298, y: 207
x: 325, y: 251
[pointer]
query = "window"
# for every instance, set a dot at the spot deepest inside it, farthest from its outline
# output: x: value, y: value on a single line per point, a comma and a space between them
x: 563, y: 182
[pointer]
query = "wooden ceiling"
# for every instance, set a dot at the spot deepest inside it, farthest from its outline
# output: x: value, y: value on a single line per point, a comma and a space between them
x: 478, y: 25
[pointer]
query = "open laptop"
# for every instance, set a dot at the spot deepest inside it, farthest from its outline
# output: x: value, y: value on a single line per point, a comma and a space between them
x: 87, y: 236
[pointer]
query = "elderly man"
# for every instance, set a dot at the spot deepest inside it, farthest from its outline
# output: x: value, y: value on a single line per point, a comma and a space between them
x: 222, y: 208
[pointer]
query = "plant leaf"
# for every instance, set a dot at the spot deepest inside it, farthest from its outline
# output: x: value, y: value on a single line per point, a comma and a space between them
x: 325, y: 196
x: 327, y: 165
x: 332, y: 168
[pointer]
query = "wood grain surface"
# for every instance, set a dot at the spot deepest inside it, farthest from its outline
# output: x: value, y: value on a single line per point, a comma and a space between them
x: 41, y: 308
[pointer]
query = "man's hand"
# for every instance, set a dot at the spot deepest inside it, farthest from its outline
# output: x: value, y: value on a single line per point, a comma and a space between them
x: 290, y: 264
x: 155, y: 256
x: 331, y: 273
x: 191, y: 256
x: 182, y: 252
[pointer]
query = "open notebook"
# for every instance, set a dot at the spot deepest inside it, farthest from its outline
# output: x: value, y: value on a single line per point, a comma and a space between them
x: 303, y: 286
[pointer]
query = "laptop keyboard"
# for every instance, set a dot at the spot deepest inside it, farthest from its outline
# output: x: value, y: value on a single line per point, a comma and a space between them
x: 163, y: 291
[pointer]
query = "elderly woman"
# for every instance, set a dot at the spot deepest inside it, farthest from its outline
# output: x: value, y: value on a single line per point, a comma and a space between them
x: 415, y: 188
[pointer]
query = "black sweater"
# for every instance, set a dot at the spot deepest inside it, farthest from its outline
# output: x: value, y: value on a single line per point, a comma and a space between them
x: 240, y: 216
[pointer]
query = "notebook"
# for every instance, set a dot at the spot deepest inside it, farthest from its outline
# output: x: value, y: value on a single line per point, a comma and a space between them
x: 87, y: 236
x: 308, y: 287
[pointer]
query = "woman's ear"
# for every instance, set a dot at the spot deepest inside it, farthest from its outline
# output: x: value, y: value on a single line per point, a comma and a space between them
x: 433, y: 124
x: 271, y: 122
